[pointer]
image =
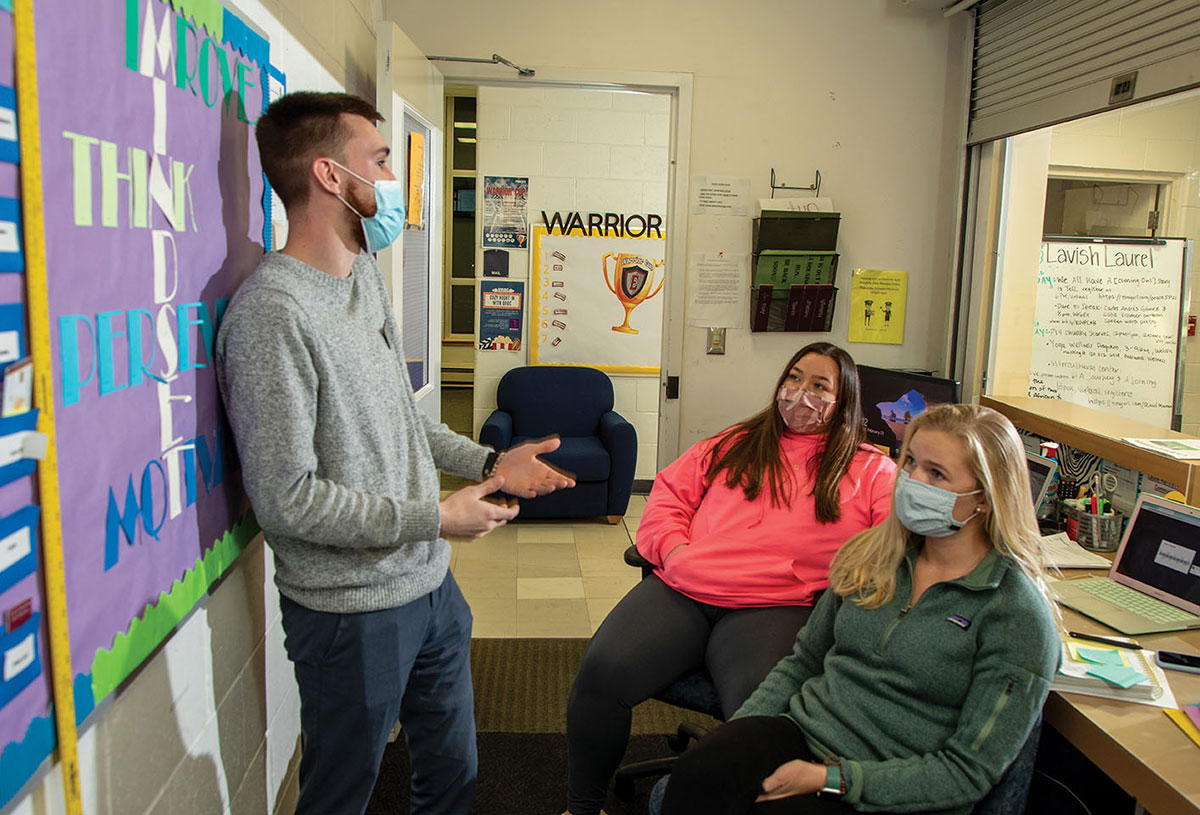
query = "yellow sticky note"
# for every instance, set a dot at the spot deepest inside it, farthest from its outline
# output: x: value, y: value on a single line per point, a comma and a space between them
x: 1075, y: 647
x: 1185, y: 724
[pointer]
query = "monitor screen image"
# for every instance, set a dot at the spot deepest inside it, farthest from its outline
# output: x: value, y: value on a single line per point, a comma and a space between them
x: 892, y: 399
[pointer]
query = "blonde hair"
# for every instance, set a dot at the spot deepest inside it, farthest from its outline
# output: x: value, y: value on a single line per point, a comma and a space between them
x: 866, y: 565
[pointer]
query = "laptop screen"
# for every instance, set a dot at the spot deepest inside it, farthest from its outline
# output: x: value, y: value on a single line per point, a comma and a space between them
x: 1040, y: 469
x: 1161, y: 552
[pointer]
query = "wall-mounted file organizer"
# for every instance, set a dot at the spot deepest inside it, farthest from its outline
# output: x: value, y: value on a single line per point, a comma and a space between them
x: 794, y: 262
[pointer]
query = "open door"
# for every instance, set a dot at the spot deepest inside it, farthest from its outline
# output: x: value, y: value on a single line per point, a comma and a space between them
x: 409, y: 95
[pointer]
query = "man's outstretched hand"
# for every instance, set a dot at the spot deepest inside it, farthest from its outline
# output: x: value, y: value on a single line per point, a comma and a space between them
x: 527, y: 476
x: 466, y: 514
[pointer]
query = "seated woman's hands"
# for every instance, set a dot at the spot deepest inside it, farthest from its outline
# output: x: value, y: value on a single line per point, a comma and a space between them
x: 793, y: 778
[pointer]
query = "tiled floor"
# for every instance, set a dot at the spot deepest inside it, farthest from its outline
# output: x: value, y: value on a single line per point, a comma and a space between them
x: 546, y: 578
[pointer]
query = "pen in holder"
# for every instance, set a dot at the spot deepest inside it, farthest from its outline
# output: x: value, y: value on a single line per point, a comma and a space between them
x: 1095, y: 531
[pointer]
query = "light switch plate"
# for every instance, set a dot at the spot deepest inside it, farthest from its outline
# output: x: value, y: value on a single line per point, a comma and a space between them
x: 716, y: 341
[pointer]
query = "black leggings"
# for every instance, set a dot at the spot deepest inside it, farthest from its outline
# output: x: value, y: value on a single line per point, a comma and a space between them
x: 654, y: 636
x: 723, y: 773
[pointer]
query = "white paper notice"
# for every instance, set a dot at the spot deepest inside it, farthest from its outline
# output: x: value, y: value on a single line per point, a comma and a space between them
x: 10, y: 346
x: 712, y: 195
x: 15, y: 547
x: 797, y: 204
x: 717, y: 287
x: 19, y: 657
x: 8, y: 124
x: 8, y: 237
x: 12, y: 448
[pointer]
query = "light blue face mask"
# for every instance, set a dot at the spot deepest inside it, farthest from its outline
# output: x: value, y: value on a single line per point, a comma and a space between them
x: 927, y: 510
x: 382, y: 228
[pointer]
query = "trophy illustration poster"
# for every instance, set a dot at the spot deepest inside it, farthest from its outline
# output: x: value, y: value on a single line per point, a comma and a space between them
x: 597, y: 301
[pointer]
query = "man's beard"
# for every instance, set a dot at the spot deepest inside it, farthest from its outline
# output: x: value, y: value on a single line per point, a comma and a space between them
x: 365, y: 205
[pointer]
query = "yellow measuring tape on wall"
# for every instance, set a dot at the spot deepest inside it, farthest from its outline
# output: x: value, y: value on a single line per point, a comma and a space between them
x: 39, y: 335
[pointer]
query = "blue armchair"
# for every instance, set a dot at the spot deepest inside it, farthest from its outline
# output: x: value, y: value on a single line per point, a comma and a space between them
x: 599, y: 447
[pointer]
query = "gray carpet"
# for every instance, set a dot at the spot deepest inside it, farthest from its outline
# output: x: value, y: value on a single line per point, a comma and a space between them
x: 521, y: 686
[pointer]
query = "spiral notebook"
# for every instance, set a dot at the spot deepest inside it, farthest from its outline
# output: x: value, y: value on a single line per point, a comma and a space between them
x: 1084, y: 666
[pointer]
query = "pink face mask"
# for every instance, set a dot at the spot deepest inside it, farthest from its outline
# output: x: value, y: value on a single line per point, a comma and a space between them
x: 803, y: 411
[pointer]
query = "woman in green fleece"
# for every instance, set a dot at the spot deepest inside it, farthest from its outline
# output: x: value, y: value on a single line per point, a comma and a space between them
x: 920, y: 674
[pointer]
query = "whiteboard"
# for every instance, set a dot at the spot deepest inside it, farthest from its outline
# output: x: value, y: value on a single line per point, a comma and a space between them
x: 1106, y: 325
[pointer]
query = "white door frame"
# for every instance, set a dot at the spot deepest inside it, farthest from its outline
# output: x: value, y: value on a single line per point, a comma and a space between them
x: 400, y: 65
x: 679, y: 87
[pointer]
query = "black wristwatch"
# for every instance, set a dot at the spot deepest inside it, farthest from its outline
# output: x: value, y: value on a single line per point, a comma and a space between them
x: 489, y: 464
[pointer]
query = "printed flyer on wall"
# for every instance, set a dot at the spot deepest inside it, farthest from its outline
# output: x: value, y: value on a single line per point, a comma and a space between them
x: 500, y: 315
x: 877, y: 298
x: 505, y: 218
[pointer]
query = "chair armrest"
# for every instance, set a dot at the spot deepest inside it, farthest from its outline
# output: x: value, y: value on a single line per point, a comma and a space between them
x: 634, y: 558
x: 615, y: 430
x: 497, y: 430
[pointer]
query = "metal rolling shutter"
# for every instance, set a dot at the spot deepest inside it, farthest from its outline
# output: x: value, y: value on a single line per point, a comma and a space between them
x: 1041, y: 62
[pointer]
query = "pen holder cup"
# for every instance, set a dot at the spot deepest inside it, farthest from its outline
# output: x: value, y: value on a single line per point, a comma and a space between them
x: 1100, y: 533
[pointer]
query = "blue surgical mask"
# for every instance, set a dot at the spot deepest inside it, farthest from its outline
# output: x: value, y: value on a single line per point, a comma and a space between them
x: 382, y: 228
x: 927, y: 510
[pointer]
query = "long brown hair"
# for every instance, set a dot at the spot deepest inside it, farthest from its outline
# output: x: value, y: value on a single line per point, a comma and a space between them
x: 749, y: 453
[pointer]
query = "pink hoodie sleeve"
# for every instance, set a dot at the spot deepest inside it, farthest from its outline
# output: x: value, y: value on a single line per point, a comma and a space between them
x: 677, y: 493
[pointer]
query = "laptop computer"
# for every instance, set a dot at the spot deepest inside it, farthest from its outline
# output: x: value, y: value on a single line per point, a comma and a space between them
x: 1154, y: 582
x: 1041, y: 474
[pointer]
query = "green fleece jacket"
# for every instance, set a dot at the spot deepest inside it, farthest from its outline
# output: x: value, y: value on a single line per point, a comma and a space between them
x: 925, y: 705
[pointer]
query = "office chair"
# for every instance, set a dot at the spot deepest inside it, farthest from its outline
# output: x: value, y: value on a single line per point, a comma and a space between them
x: 695, y: 692
x: 1008, y: 797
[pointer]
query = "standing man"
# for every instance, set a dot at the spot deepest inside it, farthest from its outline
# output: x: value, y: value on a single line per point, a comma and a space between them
x: 341, y: 469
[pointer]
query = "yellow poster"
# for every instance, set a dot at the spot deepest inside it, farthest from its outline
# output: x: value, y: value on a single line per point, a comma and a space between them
x: 416, y: 180
x: 877, y: 305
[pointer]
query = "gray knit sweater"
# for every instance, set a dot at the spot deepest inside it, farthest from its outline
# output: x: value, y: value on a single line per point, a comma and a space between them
x: 339, y: 463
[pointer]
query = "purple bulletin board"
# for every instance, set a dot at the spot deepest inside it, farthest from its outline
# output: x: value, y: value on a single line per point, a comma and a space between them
x: 153, y: 205
x: 153, y: 215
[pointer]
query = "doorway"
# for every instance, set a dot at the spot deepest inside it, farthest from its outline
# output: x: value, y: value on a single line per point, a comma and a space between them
x: 582, y: 150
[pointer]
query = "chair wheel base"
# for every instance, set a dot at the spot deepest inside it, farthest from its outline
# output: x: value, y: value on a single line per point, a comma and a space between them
x: 623, y: 789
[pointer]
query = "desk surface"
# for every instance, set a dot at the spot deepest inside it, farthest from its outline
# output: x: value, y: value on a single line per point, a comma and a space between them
x: 1136, y: 745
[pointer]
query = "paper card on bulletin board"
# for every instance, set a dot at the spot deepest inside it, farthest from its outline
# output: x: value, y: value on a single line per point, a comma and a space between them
x: 500, y: 308
x: 12, y: 256
x: 12, y: 334
x: 877, y: 299
x: 8, y: 125
x: 135, y: 288
x: 18, y: 546
x: 597, y: 301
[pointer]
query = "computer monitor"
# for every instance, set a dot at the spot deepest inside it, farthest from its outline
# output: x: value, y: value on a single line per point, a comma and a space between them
x: 891, y: 399
x: 1160, y: 552
x: 1041, y: 470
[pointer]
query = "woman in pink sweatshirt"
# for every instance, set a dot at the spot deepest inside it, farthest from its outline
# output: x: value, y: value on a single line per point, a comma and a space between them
x: 740, y: 529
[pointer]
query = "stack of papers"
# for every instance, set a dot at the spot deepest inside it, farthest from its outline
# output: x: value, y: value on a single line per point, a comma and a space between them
x: 1175, y: 448
x: 1063, y: 553
x: 1112, y: 673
